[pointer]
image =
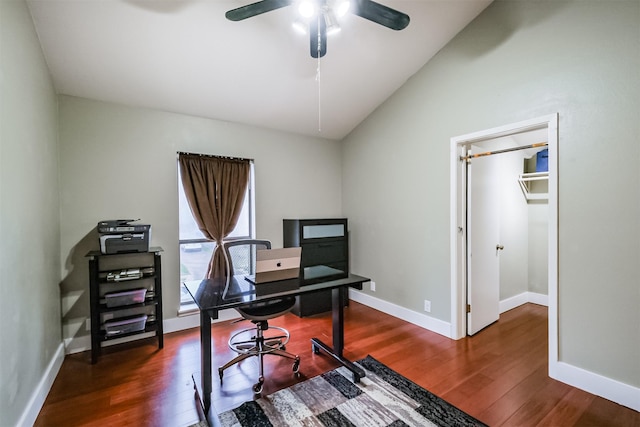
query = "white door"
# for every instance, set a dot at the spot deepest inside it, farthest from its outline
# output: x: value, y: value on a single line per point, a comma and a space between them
x: 483, y: 229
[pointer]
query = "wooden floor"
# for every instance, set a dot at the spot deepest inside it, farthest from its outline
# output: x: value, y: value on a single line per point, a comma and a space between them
x: 499, y: 375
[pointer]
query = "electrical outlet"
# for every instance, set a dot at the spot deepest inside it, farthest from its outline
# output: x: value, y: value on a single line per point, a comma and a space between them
x: 427, y: 306
x: 373, y: 286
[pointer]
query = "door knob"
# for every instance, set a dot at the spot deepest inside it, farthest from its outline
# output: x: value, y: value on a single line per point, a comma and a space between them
x: 499, y: 247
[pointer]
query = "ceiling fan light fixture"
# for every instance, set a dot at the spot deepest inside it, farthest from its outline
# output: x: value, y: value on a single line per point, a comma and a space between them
x: 331, y: 22
x: 321, y: 17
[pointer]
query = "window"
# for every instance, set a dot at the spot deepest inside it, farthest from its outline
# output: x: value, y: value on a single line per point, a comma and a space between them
x: 195, y: 250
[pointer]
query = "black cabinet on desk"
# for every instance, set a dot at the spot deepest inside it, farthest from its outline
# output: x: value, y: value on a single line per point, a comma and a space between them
x: 324, y: 242
x: 125, y: 297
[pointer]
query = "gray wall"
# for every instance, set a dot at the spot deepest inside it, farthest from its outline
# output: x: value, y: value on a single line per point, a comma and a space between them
x: 516, y: 61
x: 30, y: 334
x: 120, y: 162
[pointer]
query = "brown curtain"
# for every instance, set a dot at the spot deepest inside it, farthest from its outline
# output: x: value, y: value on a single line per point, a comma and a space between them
x: 215, y: 189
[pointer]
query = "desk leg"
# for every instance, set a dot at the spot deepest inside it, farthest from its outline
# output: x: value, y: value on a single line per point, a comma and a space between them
x: 203, y: 385
x: 205, y: 359
x: 337, y: 314
x: 337, y: 321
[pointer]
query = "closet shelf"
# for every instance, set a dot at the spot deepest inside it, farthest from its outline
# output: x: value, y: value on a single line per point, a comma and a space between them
x: 527, y: 180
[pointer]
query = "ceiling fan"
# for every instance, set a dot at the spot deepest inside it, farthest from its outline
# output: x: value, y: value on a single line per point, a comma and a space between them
x: 321, y: 15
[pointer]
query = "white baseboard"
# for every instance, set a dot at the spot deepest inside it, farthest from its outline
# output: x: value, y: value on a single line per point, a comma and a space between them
x: 427, y: 322
x: 523, y: 298
x: 593, y: 383
x: 77, y: 344
x: 41, y: 391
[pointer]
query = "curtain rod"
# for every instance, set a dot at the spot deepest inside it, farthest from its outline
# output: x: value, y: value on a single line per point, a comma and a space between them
x: 212, y: 156
x: 506, y: 150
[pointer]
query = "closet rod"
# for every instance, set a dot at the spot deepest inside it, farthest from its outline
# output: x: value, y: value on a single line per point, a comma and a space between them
x: 506, y: 150
x: 213, y: 156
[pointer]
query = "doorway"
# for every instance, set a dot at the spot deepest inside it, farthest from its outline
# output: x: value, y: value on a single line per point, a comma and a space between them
x: 506, y: 227
x: 460, y: 146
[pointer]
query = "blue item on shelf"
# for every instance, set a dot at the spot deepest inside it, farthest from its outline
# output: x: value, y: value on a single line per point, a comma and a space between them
x: 542, y: 161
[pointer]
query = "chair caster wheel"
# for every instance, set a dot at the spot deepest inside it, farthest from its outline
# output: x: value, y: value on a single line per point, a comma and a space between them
x: 296, y: 366
x: 257, y: 387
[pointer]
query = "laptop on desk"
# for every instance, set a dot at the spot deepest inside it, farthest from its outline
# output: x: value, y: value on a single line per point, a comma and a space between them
x: 276, y: 264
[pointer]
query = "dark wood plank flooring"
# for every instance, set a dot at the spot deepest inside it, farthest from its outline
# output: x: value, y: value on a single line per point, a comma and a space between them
x: 499, y: 375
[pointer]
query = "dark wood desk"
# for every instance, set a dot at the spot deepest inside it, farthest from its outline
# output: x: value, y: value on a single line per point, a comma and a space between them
x: 211, y: 297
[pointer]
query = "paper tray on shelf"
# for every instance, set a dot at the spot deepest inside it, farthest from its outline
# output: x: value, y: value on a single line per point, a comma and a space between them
x: 125, y: 326
x: 133, y: 296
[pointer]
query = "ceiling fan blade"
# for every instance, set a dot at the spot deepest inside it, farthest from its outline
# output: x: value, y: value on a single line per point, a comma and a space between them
x: 257, y: 8
x: 381, y: 14
x: 318, y: 37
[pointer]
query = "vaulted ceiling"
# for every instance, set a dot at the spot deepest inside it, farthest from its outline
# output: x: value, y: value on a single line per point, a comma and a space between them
x: 184, y: 56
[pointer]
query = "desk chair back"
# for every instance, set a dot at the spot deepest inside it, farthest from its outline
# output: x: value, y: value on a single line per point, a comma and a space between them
x: 240, y: 256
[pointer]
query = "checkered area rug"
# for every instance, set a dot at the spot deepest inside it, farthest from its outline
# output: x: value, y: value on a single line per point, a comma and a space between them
x: 382, y: 398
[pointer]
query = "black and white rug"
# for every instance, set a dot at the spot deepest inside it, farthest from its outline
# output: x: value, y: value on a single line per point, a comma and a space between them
x: 382, y: 398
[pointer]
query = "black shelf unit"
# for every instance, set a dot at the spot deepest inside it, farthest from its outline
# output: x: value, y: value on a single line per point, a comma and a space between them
x: 101, y: 264
x: 324, y: 242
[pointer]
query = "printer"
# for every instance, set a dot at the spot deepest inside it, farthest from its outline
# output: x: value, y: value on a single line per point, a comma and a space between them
x: 121, y: 236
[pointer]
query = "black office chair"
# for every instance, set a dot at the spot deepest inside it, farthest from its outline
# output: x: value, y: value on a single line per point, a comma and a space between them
x: 240, y: 256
